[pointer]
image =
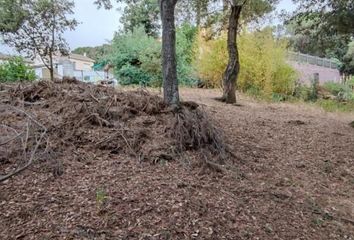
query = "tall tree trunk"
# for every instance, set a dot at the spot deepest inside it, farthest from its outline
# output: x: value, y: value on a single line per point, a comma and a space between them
x: 51, y: 66
x: 198, y: 10
x: 53, y: 43
x: 225, y: 8
x: 233, y: 66
x: 169, y: 64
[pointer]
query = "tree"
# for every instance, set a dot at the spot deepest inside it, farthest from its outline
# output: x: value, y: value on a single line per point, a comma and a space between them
x: 323, y: 28
x: 194, y: 12
x: 142, y: 13
x: 11, y: 15
x: 41, y: 32
x: 250, y: 10
x: 96, y: 53
x: 336, y: 15
x: 348, y: 59
x: 233, y: 66
x: 169, y: 63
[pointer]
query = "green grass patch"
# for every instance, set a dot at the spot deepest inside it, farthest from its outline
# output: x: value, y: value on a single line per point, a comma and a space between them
x: 335, y: 106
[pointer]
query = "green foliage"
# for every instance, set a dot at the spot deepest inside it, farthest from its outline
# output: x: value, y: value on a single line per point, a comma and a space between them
x: 343, y: 101
x: 101, y: 196
x: 141, y: 13
x: 185, y: 36
x: 343, y: 92
x: 40, y: 33
x: 136, y: 58
x: 96, y: 53
x: 348, y: 59
x: 16, y: 69
x: 11, y: 15
x: 264, y: 70
x: 129, y: 74
x: 324, y: 29
x: 334, y: 15
x: 302, y: 92
x: 336, y: 106
x: 101, y: 200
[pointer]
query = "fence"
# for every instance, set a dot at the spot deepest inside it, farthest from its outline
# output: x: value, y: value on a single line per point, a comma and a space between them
x: 305, y: 58
x: 91, y: 76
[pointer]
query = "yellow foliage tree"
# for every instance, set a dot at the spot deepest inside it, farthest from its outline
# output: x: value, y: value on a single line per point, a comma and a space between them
x: 264, y: 70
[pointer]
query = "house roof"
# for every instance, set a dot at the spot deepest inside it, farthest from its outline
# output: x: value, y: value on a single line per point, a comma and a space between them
x: 7, y: 57
x: 80, y: 57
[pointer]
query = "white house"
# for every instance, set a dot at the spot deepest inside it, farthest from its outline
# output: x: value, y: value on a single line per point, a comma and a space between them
x: 74, y: 65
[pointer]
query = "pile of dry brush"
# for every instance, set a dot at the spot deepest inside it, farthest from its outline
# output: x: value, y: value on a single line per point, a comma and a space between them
x: 46, y: 121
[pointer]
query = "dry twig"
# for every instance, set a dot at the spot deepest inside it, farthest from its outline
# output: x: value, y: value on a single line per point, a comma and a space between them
x: 34, y: 150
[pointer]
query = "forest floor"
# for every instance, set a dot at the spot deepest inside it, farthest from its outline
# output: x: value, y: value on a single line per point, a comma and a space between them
x: 293, y: 178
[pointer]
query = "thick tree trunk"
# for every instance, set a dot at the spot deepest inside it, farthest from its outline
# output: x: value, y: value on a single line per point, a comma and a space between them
x: 169, y: 64
x: 233, y: 67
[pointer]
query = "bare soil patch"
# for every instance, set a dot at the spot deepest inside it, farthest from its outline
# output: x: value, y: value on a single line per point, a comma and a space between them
x: 290, y: 175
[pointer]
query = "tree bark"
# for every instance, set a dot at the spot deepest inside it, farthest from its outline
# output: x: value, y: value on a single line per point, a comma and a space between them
x: 51, y: 66
x: 198, y: 13
x: 169, y: 64
x: 233, y: 67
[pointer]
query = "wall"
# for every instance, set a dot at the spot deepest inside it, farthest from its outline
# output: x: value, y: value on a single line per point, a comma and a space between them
x: 82, y: 65
x: 306, y: 72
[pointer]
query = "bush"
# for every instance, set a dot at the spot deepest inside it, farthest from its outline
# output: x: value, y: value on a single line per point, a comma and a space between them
x: 129, y: 74
x: 137, y: 57
x: 185, y: 37
x: 263, y: 63
x: 335, y: 106
x: 16, y: 69
x: 211, y: 59
x: 303, y: 92
x: 343, y: 92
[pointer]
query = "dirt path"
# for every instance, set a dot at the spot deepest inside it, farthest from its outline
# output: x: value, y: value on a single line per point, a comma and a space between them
x: 293, y: 179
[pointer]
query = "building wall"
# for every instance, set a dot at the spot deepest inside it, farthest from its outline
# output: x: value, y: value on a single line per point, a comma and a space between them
x: 46, y: 74
x: 306, y: 73
x: 82, y: 65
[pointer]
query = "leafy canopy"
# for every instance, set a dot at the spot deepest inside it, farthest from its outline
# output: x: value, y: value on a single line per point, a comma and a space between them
x: 41, y: 30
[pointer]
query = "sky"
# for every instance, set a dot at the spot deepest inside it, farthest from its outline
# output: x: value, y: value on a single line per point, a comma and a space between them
x: 98, y: 26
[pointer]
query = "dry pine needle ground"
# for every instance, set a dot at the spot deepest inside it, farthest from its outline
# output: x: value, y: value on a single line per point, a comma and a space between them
x: 292, y: 167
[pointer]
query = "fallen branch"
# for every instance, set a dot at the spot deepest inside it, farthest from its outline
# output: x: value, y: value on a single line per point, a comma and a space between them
x: 11, y: 139
x: 33, y: 152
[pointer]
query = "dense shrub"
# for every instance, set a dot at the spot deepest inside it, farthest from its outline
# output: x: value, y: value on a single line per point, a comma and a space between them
x: 16, y: 69
x: 211, y: 59
x: 129, y: 74
x: 137, y: 57
x: 263, y: 63
x: 185, y: 37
